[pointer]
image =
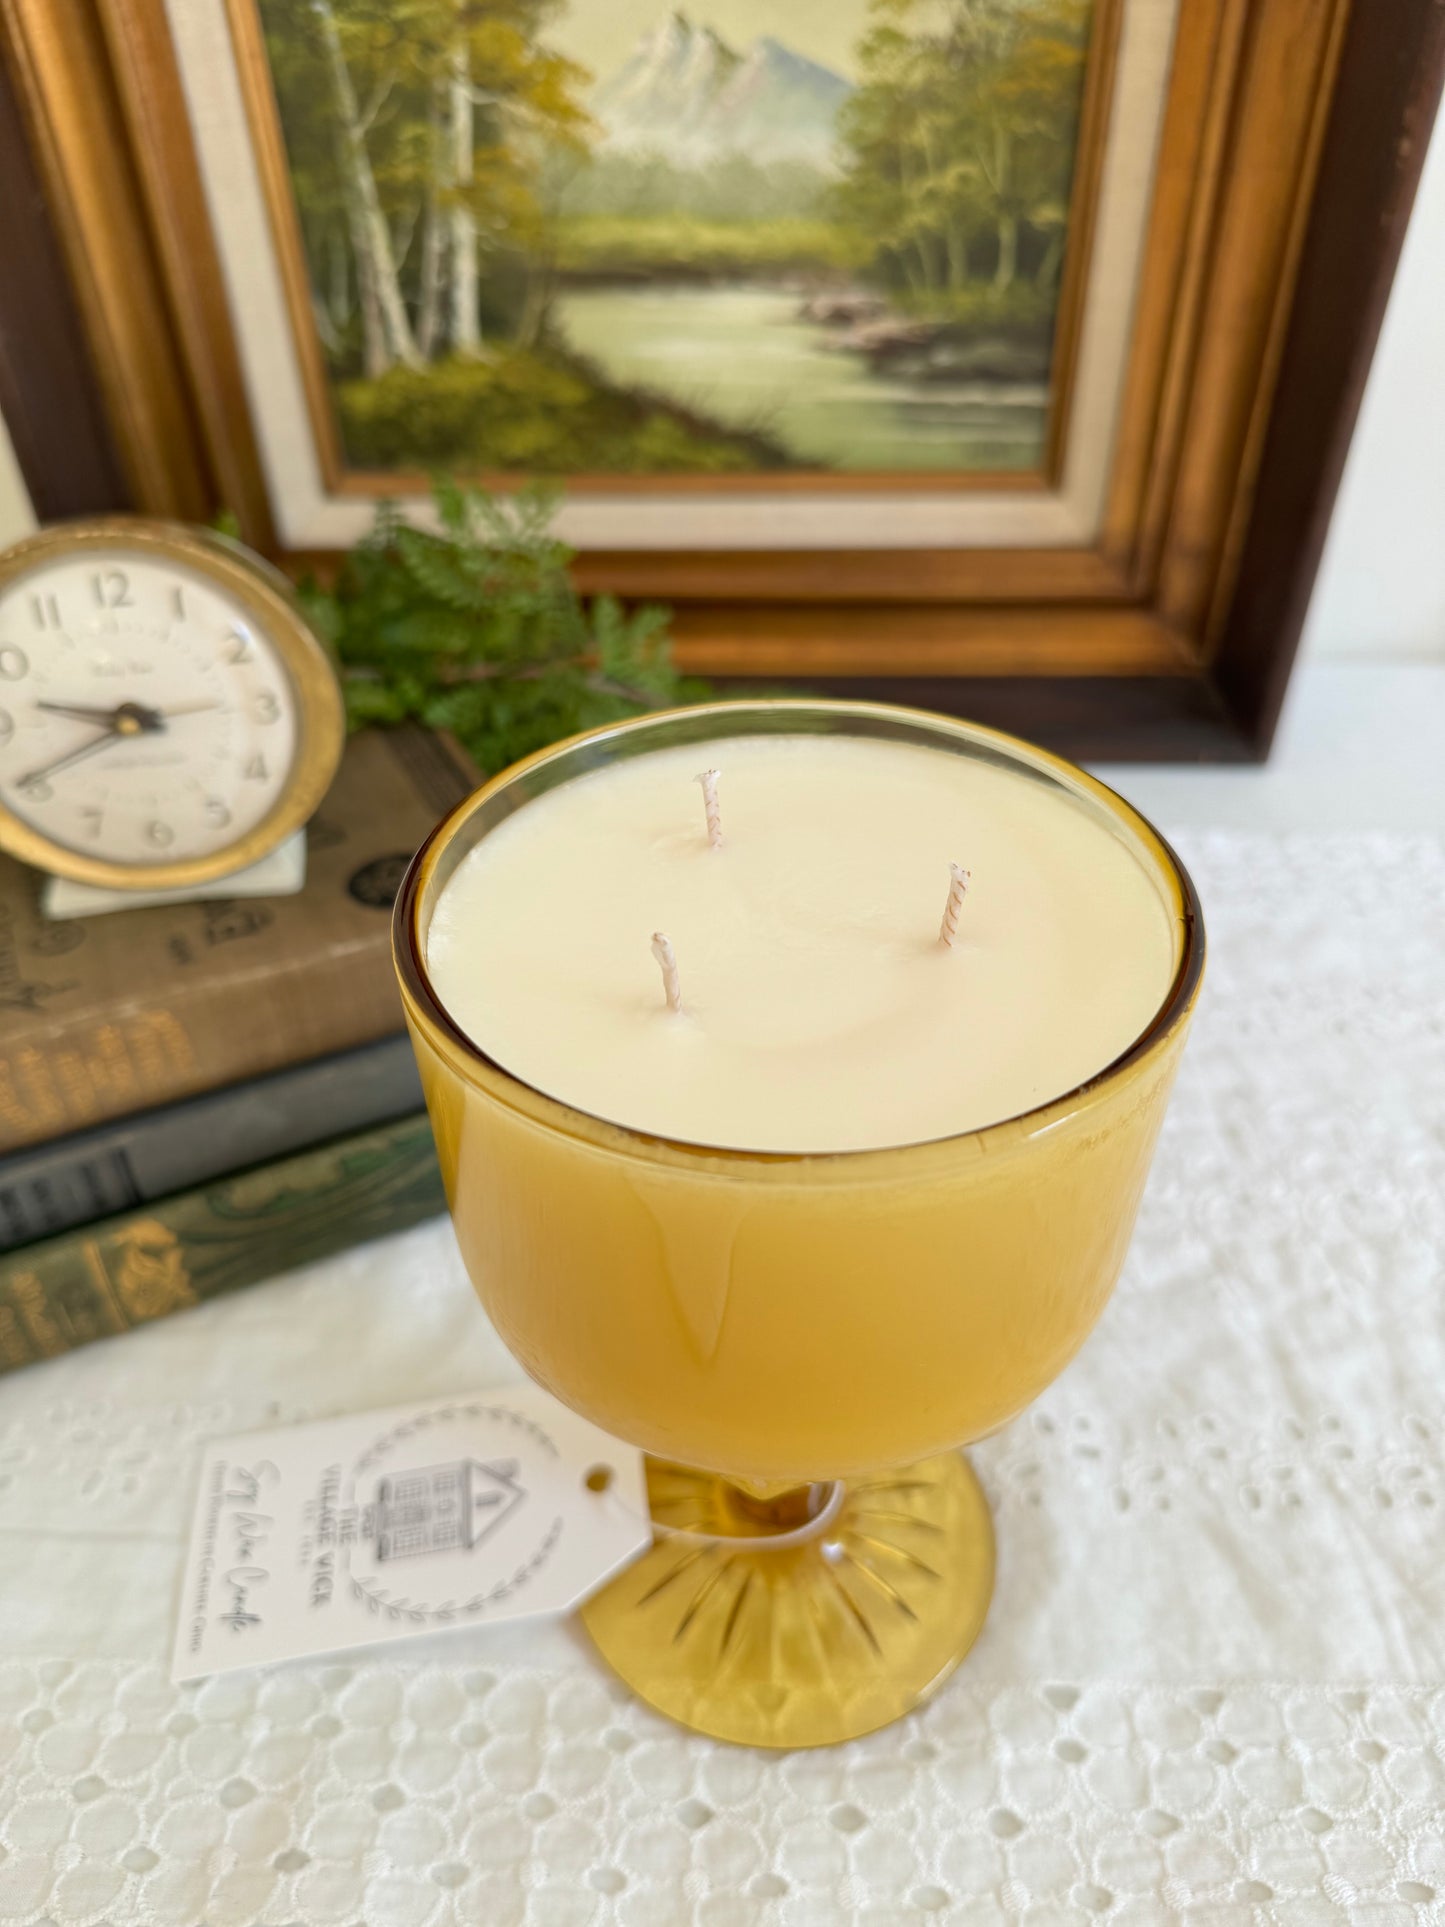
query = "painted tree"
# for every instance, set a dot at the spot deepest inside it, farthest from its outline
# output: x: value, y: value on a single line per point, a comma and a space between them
x: 512, y: 103
x: 464, y: 322
x: 433, y: 263
x: 318, y: 193
x: 418, y: 132
x: 386, y: 325
x: 1037, y: 104
x: 959, y: 140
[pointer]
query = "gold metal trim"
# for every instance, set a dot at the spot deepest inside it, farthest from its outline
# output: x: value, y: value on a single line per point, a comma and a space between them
x: 266, y: 597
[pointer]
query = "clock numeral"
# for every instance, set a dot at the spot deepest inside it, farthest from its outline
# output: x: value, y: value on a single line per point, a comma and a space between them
x: 14, y: 663
x: 256, y: 768
x: 91, y: 819
x: 45, y: 611
x: 7, y: 725
x: 178, y: 603
x: 217, y: 813
x: 267, y: 709
x: 36, y: 790
x: 112, y: 589
x: 238, y: 647
x: 161, y: 834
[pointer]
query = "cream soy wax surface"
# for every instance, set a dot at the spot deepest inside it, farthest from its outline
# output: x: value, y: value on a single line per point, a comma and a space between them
x: 800, y: 901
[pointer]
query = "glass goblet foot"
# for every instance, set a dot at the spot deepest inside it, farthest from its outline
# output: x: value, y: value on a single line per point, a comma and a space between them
x: 804, y: 1618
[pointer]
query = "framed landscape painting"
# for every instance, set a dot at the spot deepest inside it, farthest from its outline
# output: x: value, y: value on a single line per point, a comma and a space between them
x: 733, y: 275
x: 994, y: 354
x: 610, y: 238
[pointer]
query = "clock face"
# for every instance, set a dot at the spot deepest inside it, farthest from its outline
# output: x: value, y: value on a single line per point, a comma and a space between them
x: 146, y: 718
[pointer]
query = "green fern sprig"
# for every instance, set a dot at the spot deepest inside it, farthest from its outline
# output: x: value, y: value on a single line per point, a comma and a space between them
x: 477, y: 628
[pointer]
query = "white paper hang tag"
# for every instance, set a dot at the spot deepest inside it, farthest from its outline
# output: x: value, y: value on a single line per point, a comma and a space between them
x: 380, y: 1526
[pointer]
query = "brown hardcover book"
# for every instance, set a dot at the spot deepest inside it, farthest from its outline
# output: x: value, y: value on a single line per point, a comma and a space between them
x: 107, y: 1015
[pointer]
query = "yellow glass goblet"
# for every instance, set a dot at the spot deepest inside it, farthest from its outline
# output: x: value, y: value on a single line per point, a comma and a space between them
x: 800, y: 1343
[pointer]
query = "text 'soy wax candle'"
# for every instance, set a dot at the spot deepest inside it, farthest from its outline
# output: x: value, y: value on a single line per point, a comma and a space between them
x: 802, y: 892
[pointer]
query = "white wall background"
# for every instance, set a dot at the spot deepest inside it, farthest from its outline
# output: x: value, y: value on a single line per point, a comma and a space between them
x: 1381, y: 588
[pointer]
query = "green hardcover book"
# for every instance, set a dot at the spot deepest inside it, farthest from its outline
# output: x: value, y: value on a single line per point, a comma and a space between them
x: 106, y: 1277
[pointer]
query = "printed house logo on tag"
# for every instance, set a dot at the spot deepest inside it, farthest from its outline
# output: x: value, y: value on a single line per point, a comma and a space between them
x: 440, y: 1508
x: 457, y: 1534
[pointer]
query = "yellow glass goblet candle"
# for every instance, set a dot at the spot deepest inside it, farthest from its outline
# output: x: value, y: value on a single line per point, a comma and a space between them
x: 794, y: 1128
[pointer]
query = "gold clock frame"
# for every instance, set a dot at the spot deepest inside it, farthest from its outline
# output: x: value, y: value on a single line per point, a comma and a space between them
x: 266, y: 596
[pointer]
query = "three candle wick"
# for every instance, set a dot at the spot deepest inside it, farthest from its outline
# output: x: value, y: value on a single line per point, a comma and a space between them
x: 957, y: 891
x: 666, y: 956
x: 712, y: 808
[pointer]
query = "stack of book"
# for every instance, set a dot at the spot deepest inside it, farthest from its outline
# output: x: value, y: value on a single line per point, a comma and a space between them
x: 198, y: 1096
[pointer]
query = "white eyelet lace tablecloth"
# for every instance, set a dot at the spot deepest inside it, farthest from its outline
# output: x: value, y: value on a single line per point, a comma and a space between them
x: 1212, y: 1687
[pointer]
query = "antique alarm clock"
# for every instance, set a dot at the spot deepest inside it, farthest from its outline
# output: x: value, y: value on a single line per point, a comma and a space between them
x: 167, y: 718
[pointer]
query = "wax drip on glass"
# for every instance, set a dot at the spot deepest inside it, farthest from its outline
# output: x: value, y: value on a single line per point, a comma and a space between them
x: 957, y: 891
x: 710, y: 804
x: 667, y: 958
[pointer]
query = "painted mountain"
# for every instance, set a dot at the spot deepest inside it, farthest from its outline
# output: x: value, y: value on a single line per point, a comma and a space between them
x: 686, y: 95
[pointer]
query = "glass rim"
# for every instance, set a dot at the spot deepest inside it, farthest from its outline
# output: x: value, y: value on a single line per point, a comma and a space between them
x: 419, y: 992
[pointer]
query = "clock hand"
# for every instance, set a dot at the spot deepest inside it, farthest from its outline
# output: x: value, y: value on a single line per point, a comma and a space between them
x: 130, y: 719
x: 183, y: 709
x: 85, y: 712
x: 126, y: 719
x: 103, y: 741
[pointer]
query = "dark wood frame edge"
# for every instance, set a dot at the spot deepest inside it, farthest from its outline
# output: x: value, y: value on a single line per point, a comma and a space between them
x: 1391, y: 77
x: 1123, y: 719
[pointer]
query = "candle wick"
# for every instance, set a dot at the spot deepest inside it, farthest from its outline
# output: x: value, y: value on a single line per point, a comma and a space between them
x: 708, y: 779
x: 957, y: 891
x: 667, y: 957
